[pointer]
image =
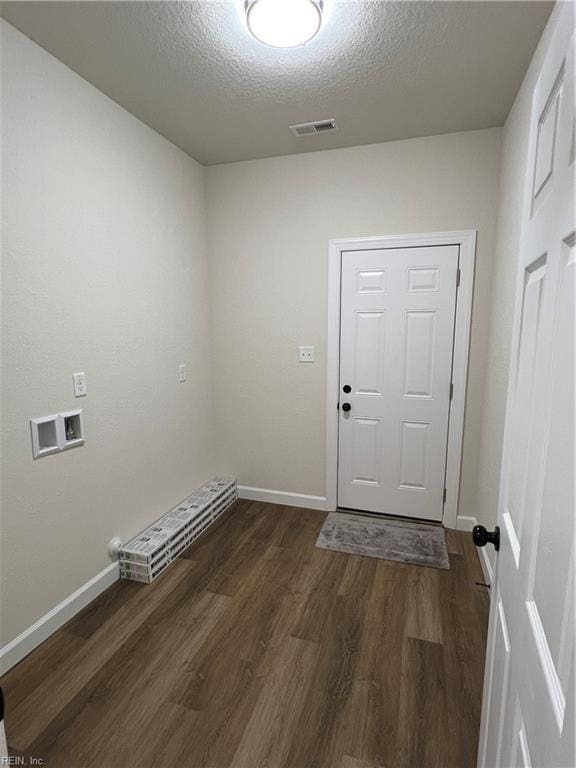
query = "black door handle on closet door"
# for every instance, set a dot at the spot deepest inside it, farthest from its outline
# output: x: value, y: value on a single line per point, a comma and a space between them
x: 346, y: 407
x: 482, y: 537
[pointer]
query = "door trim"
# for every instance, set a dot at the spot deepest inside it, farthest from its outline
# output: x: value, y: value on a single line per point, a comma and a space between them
x: 466, y: 240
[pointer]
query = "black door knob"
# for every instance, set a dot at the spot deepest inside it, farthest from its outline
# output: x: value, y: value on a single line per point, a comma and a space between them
x: 347, y: 388
x: 346, y: 407
x: 482, y: 537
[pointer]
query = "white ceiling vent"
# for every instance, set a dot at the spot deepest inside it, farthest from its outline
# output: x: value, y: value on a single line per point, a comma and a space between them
x: 309, y: 129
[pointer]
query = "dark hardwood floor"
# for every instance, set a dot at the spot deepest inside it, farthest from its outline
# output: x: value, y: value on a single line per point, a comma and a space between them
x: 257, y: 649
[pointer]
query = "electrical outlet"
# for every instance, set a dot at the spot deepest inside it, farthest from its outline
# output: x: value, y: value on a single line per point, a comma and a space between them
x: 306, y: 354
x: 181, y: 373
x: 80, y: 389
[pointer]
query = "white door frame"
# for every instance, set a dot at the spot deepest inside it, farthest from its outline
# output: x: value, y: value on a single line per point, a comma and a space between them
x: 466, y: 240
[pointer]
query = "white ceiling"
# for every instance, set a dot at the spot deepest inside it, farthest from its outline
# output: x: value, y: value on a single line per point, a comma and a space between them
x: 384, y: 70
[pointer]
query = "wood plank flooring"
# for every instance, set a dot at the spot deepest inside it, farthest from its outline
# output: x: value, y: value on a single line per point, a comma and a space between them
x: 255, y: 649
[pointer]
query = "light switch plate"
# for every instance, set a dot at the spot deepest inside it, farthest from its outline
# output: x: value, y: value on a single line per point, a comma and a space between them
x: 182, y: 373
x: 80, y: 389
x: 306, y: 354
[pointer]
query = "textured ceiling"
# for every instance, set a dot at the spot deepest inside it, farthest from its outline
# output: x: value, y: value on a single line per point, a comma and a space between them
x: 384, y: 70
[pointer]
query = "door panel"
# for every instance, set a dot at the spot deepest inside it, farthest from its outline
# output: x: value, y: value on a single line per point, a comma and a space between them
x: 397, y: 327
x: 521, y: 423
x: 500, y: 673
x: 546, y: 141
x: 367, y: 441
x: 372, y: 281
x: 535, y: 566
x: 423, y: 279
x: 419, y: 348
x: 370, y: 352
x: 555, y: 555
x: 415, y: 446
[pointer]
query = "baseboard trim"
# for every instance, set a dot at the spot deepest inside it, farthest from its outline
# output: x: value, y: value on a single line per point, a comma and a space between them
x: 41, y: 630
x: 282, y: 497
x: 465, y: 523
x: 486, y: 566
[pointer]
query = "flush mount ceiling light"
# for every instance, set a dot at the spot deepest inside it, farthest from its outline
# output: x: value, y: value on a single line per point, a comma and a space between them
x: 284, y: 23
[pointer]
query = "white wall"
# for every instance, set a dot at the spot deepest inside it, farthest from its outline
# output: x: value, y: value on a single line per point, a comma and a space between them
x: 510, y: 204
x: 104, y: 270
x: 269, y: 226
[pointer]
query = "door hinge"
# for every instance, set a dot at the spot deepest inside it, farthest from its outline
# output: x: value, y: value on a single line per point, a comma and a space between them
x: 444, y: 496
x: 451, y: 390
x: 457, y: 277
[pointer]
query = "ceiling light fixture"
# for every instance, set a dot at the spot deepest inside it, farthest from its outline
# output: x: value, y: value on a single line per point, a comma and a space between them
x: 284, y: 23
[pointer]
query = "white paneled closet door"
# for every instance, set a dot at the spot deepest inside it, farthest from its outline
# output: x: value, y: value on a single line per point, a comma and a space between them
x: 396, y: 344
x: 528, y: 710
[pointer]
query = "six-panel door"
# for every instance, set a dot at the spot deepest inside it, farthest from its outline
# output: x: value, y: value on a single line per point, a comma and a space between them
x: 396, y: 342
x: 528, y: 715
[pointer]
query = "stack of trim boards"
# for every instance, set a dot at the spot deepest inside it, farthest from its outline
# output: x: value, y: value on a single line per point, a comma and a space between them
x: 148, y: 554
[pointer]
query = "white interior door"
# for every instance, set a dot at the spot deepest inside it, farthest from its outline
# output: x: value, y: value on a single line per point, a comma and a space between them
x: 528, y: 709
x: 396, y: 342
